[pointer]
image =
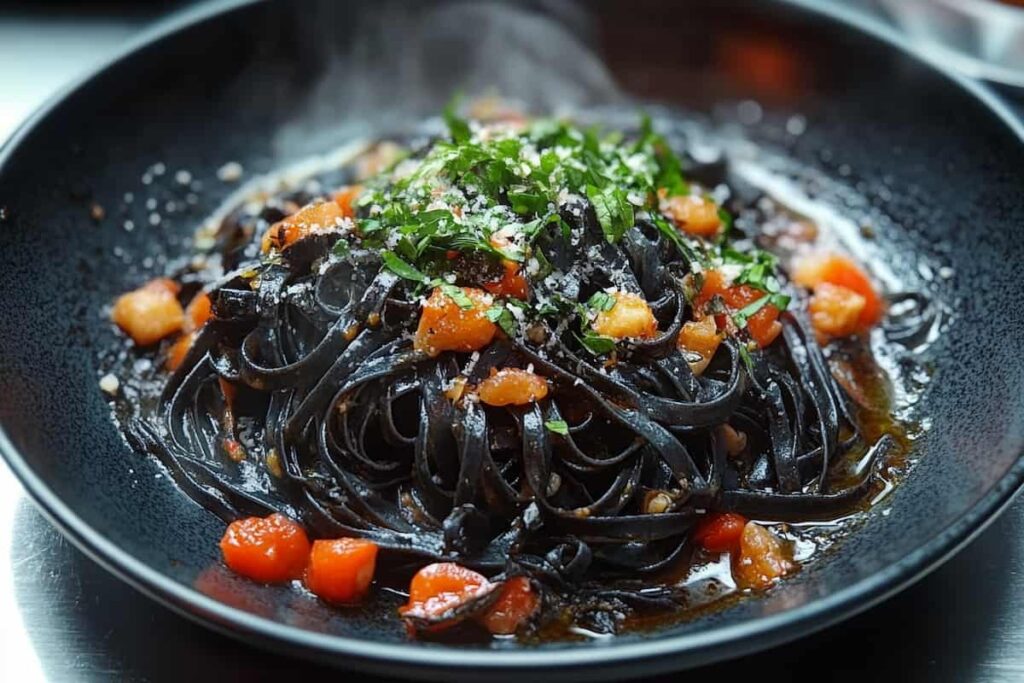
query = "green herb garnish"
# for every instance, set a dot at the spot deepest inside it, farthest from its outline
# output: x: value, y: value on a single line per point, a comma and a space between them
x: 613, y: 210
x: 746, y: 358
x: 341, y: 248
x: 558, y: 427
x: 740, y: 317
x: 457, y: 295
x: 400, y: 268
x: 505, y: 194
x: 601, y: 301
x: 595, y: 343
x: 503, y: 318
x: 726, y: 219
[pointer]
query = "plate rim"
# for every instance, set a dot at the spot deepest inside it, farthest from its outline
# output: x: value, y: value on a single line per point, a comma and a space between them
x: 443, y: 662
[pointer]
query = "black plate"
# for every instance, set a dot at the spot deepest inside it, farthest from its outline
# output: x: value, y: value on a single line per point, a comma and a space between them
x: 256, y: 83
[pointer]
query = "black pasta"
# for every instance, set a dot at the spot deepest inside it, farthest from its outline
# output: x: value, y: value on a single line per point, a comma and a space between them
x: 308, y: 363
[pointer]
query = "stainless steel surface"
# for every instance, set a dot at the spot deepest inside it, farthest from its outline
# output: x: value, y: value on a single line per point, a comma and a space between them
x: 67, y: 619
x: 981, y: 38
x: 63, y: 618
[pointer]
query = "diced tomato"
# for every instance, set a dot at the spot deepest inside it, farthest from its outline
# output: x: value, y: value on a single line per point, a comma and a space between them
x: 836, y: 269
x: 150, y: 313
x: 176, y: 354
x: 702, y: 338
x: 512, y: 283
x: 631, y: 317
x: 693, y: 215
x: 341, y: 570
x: 346, y: 198
x: 762, y: 558
x: 712, y: 284
x: 445, y: 326
x: 512, y: 387
x: 835, y: 310
x: 198, y: 311
x: 720, y: 532
x: 270, y: 549
x: 763, y: 326
x: 311, y: 219
x: 441, y: 587
x: 515, y: 605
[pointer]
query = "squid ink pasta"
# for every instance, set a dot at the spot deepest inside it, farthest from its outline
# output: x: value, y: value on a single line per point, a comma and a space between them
x: 533, y: 370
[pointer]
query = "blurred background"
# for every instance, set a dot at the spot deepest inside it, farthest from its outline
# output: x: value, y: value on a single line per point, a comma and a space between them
x: 44, y: 44
x: 64, y: 618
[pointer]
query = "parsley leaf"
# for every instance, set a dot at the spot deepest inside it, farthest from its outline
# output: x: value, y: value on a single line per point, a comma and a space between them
x: 780, y: 301
x: 558, y: 427
x: 675, y: 237
x: 341, y: 248
x: 457, y: 295
x: 544, y: 267
x: 526, y: 203
x: 400, y: 268
x: 726, y: 220
x: 746, y: 358
x: 758, y: 268
x: 613, y: 210
x: 740, y: 317
x: 670, y: 173
x: 601, y: 301
x: 595, y: 343
x: 503, y: 318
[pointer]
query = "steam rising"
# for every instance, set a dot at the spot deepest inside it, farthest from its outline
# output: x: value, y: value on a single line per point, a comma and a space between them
x: 403, y: 61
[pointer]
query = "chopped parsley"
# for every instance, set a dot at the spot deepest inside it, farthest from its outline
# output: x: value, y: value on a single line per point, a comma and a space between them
x: 613, y: 210
x: 455, y: 294
x: 746, y: 358
x: 601, y: 301
x: 341, y: 248
x: 595, y: 343
x: 503, y: 318
x: 558, y: 427
x: 726, y: 218
x: 461, y: 209
x: 758, y: 268
x: 669, y: 173
x: 400, y: 268
x: 462, y: 191
x: 740, y: 317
